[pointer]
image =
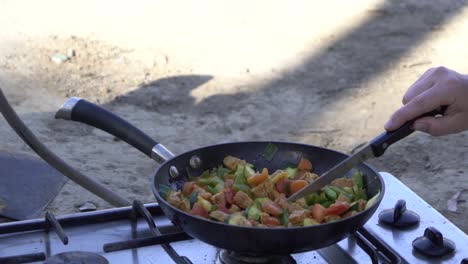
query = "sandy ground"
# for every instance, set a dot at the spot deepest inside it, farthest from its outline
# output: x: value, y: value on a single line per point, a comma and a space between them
x: 200, y: 73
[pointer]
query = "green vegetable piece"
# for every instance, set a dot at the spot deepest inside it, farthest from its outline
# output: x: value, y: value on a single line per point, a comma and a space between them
x: 248, y: 172
x: 260, y: 201
x: 210, y: 189
x: 241, y: 187
x: 219, y: 187
x: 339, y: 191
x: 204, y: 203
x: 326, y: 204
x: 348, y: 189
x: 211, y: 180
x: 284, y: 218
x: 360, y: 194
x: 291, y: 172
x: 239, y: 175
x: 164, y: 190
x: 270, y: 151
x: 193, y: 199
x: 253, y: 213
x: 332, y: 195
x: 235, y: 218
x: 309, y: 222
x: 312, y: 199
x: 221, y: 171
x: 372, y: 201
x: 358, y: 180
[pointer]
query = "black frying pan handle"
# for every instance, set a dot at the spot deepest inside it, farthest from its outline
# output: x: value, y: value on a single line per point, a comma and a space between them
x: 384, y: 140
x: 80, y: 110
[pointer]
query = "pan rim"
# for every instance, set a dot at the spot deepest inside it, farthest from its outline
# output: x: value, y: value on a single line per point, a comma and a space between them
x: 278, y: 229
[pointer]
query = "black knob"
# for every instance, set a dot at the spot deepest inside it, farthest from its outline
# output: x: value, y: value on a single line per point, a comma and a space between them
x: 464, y: 261
x: 399, y: 216
x: 433, y: 244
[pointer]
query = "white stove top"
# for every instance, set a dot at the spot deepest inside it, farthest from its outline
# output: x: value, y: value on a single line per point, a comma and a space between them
x: 92, y: 238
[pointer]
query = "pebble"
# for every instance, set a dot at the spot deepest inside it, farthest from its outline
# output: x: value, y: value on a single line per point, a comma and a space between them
x: 88, y: 207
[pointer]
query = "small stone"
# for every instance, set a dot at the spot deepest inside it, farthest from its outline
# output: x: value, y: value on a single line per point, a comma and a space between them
x: 58, y: 58
x: 71, y: 53
x: 88, y: 207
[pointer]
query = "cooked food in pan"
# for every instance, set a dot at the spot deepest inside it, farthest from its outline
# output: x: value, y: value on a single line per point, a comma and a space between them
x: 237, y: 194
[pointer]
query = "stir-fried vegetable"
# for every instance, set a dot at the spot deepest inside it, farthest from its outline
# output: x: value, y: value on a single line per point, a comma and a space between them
x: 238, y: 194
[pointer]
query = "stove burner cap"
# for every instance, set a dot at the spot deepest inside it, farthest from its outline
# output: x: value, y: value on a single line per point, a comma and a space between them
x: 399, y: 217
x: 433, y: 244
x: 76, y: 257
x: 231, y: 257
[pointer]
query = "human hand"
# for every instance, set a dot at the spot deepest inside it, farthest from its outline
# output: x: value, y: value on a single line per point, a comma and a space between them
x: 436, y: 87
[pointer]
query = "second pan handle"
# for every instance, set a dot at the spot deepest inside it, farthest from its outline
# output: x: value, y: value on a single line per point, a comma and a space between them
x: 80, y: 110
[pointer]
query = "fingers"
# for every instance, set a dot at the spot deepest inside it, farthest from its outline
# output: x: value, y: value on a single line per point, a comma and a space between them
x: 425, y: 102
x: 425, y: 82
x: 439, y: 126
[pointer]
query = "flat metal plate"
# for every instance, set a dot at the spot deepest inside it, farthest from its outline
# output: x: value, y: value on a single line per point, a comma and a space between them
x: 27, y: 185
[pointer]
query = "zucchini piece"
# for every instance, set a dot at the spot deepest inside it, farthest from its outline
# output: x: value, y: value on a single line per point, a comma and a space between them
x: 221, y: 171
x: 193, y: 199
x: 279, y: 176
x: 309, y: 222
x: 326, y: 204
x: 321, y: 198
x: 291, y: 172
x: 312, y: 199
x: 235, y: 218
x: 339, y: 191
x: 372, y: 201
x: 284, y: 218
x: 248, y: 172
x: 241, y: 187
x: 164, y: 190
x: 239, y: 175
x: 260, y: 201
x: 204, y: 203
x: 332, y: 195
x: 358, y: 180
x: 253, y: 213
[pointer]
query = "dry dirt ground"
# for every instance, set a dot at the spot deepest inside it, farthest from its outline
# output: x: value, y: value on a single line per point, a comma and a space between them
x: 205, y: 72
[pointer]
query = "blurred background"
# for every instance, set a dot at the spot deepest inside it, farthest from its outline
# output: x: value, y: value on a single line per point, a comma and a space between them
x: 194, y: 73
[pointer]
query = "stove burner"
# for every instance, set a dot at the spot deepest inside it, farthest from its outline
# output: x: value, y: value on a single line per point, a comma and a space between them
x: 76, y: 257
x: 231, y: 257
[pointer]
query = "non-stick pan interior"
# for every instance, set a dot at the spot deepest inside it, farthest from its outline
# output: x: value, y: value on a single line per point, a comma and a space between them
x: 271, y: 155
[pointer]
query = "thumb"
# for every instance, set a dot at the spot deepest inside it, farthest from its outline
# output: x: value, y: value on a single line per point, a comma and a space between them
x: 439, y: 126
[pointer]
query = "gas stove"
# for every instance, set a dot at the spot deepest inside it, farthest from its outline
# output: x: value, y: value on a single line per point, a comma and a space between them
x: 136, y: 235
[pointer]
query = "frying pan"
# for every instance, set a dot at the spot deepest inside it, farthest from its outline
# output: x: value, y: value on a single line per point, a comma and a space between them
x: 175, y: 170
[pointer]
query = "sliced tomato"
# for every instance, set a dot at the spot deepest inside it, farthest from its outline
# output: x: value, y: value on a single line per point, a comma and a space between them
x: 337, y: 208
x: 305, y: 164
x: 228, y: 195
x: 270, y: 221
x: 297, y: 185
x: 318, y: 212
x: 199, y: 210
x: 188, y: 188
x: 271, y: 208
x: 258, y: 178
x: 281, y: 186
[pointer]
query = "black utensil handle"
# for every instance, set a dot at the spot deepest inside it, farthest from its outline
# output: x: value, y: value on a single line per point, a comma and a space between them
x: 80, y: 110
x: 383, y: 141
